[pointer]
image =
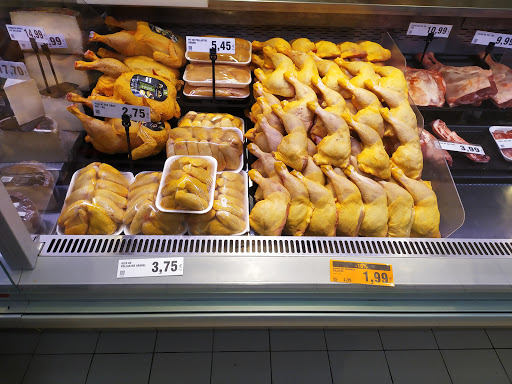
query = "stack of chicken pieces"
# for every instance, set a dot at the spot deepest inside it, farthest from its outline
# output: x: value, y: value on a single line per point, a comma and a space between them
x: 142, y: 216
x: 337, y: 144
x: 97, y: 202
x: 145, y: 54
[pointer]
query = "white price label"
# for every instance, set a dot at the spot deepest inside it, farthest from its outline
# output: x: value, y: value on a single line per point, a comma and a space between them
x: 504, y: 143
x: 108, y: 109
x: 165, y: 266
x: 24, y: 33
x: 204, y: 44
x: 423, y: 29
x: 13, y: 70
x: 501, y: 40
x: 56, y: 40
x: 6, y: 179
x: 466, y: 148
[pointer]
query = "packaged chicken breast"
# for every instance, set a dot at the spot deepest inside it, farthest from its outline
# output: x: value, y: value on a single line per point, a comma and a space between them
x: 142, y: 216
x: 211, y: 120
x: 221, y: 93
x: 187, y: 184
x: 95, y: 202
x: 223, y: 144
x: 230, y: 212
x: 242, y: 55
x: 200, y: 75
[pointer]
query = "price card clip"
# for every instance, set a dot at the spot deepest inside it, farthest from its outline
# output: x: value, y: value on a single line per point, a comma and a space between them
x: 126, y: 124
x: 488, y: 49
x: 428, y: 40
x: 213, y: 58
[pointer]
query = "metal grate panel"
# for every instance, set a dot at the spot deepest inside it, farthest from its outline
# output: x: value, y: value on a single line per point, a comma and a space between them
x: 269, y: 246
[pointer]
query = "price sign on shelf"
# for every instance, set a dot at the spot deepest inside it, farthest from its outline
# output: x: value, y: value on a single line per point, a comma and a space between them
x: 165, y: 266
x: 361, y: 273
x: 204, y: 44
x: 13, y: 70
x: 24, y: 33
x: 423, y: 29
x: 466, y: 148
x: 500, y: 40
x: 56, y: 40
x: 115, y: 110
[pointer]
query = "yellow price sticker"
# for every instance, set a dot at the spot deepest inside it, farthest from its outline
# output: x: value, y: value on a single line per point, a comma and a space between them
x: 361, y: 273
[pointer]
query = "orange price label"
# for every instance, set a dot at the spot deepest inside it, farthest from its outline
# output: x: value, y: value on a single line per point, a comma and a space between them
x: 362, y: 273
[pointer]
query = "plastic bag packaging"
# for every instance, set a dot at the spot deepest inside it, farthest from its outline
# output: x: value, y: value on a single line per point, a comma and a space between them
x: 242, y: 55
x: 225, y: 145
x: 200, y: 74
x: 230, y: 212
x: 31, y: 179
x: 220, y: 92
x: 142, y: 216
x: 27, y: 211
x: 187, y: 184
x: 96, y: 201
x: 211, y: 120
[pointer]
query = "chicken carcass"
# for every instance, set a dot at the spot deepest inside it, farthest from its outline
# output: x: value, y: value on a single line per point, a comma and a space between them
x: 426, y: 87
x: 443, y: 132
x: 464, y: 85
x: 503, y: 79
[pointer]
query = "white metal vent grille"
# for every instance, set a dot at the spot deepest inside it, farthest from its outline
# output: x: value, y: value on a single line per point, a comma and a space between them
x: 269, y: 246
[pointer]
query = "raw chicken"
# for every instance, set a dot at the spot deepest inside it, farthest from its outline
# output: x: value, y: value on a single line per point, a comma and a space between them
x: 426, y: 87
x: 400, y: 210
x: 464, y: 85
x: 303, y: 94
x: 503, y: 79
x: 274, y: 82
x: 305, y: 63
x: 274, y: 43
x: 443, y: 132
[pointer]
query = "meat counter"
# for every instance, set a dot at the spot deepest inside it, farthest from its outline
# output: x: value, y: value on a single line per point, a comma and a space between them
x: 268, y: 274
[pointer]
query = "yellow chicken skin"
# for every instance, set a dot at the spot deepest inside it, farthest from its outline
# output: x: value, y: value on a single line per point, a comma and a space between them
x: 400, y: 210
x: 274, y: 43
x: 375, y: 51
x: 274, y: 82
x: 426, y: 211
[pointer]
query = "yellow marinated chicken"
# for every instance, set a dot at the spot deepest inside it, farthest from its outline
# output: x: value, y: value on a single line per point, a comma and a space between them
x: 326, y: 49
x: 400, y: 210
x: 375, y: 51
x: 210, y: 120
x: 97, y: 202
x: 274, y: 81
x: 351, y: 50
x: 109, y: 136
x: 142, y: 216
x: 273, y: 43
x: 426, y: 211
x: 303, y: 44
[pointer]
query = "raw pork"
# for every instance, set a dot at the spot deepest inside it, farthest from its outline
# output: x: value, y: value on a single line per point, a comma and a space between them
x: 503, y: 79
x: 427, y: 88
x: 464, y: 85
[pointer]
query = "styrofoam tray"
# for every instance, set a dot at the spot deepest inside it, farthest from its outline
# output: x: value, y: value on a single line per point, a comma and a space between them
x: 504, y: 129
x: 222, y: 61
x: 119, y: 230
x: 126, y: 228
x: 166, y: 171
x: 218, y: 83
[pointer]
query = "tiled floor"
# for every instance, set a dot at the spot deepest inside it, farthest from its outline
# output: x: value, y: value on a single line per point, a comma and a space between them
x: 259, y: 356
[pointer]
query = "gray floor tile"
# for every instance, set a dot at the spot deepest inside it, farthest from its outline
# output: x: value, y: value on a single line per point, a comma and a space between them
x: 352, y: 340
x: 462, y: 339
x: 55, y: 342
x: 500, y: 337
x: 184, y: 341
x: 18, y: 342
x: 240, y: 340
x: 505, y: 356
x: 352, y: 367
x: 407, y: 339
x: 468, y: 366
x: 189, y: 368
x: 241, y: 367
x: 126, y: 342
x: 418, y: 367
x: 300, y: 367
x: 13, y: 368
x: 120, y: 369
x: 57, y: 369
x: 297, y: 340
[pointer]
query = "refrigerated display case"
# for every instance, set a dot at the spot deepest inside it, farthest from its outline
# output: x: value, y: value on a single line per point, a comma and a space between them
x: 58, y: 279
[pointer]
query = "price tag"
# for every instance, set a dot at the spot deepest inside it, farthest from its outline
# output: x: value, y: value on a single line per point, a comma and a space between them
x: 13, y: 70
x: 6, y: 179
x: 203, y: 44
x: 165, y: 266
x: 24, y: 33
x: 108, y: 109
x: 504, y: 143
x: 423, y: 29
x: 501, y: 40
x: 362, y: 273
x: 466, y: 148
x: 54, y: 41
